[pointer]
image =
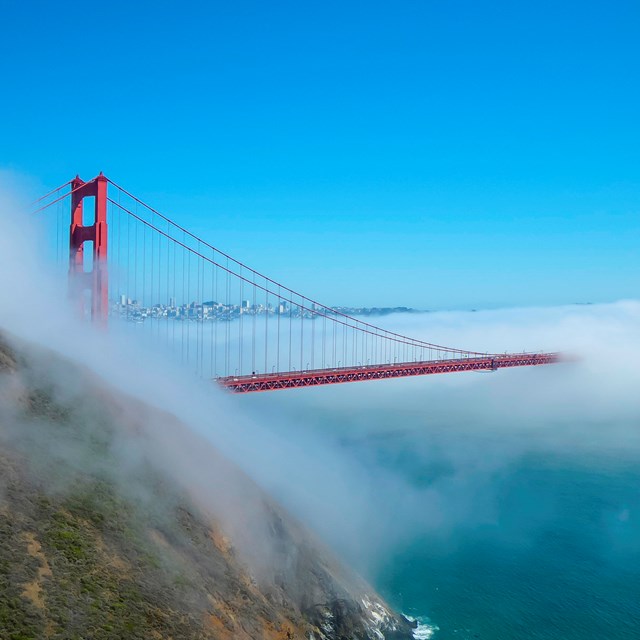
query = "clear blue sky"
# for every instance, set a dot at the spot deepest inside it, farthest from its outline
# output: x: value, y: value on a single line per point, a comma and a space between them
x: 431, y: 154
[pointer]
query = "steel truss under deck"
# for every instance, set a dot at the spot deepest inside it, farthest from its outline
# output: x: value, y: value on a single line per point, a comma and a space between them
x: 296, y: 379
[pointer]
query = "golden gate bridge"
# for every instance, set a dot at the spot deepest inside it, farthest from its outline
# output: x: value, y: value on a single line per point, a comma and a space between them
x: 127, y: 261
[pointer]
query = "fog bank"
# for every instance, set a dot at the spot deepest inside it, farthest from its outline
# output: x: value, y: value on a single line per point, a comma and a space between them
x: 331, y: 454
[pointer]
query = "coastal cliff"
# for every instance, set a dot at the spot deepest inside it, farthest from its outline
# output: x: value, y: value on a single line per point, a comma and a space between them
x: 108, y: 529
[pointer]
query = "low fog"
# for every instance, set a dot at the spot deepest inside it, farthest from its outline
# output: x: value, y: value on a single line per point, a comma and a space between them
x: 335, y: 456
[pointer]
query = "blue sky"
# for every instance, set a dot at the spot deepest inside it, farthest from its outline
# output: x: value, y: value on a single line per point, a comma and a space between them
x: 428, y: 154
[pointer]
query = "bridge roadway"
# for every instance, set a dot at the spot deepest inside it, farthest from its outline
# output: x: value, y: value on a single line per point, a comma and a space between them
x: 314, y: 377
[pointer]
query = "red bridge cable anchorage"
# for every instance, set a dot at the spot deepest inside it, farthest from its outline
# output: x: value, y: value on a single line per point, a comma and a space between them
x: 366, y: 327
x: 351, y: 322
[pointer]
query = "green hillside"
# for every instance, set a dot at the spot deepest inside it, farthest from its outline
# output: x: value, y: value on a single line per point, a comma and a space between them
x: 97, y: 541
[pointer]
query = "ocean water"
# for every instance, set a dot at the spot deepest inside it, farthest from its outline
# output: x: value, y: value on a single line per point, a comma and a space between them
x: 502, y: 506
x: 559, y: 560
x: 490, y: 533
x: 488, y: 507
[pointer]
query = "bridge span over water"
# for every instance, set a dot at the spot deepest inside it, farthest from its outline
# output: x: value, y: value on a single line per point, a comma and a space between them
x: 128, y: 262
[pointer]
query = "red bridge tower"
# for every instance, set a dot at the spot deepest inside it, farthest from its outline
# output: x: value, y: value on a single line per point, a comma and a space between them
x: 96, y: 279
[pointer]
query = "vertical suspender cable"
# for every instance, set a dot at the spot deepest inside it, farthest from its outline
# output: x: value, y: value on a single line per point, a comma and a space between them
x: 253, y: 322
x: 227, y: 353
x: 213, y: 320
x: 266, y: 327
x: 301, y: 311
x: 152, y: 298
x: 279, y: 314
x: 313, y: 333
x: 240, y: 324
x: 324, y: 336
x: 190, y: 307
x: 290, y: 330
x: 144, y: 267
x: 185, y: 308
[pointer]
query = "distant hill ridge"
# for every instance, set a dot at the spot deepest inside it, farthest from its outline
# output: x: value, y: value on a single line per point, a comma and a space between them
x: 375, y: 311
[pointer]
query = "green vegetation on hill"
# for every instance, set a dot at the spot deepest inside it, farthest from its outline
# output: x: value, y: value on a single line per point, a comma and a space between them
x: 98, y: 543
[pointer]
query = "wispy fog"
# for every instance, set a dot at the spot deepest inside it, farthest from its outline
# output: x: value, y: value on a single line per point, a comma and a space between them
x: 429, y: 453
x: 366, y: 464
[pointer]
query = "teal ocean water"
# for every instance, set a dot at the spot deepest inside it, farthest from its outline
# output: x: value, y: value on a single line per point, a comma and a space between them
x: 478, y: 527
x: 498, y: 506
x: 559, y: 560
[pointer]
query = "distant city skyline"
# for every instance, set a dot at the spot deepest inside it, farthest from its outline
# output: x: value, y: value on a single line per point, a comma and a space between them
x: 376, y: 154
x: 210, y: 310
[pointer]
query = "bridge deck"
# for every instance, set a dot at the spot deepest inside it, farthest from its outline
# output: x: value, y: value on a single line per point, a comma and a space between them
x: 311, y: 378
x: 228, y: 291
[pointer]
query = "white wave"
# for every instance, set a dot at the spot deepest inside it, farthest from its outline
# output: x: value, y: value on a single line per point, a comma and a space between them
x: 424, y: 630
